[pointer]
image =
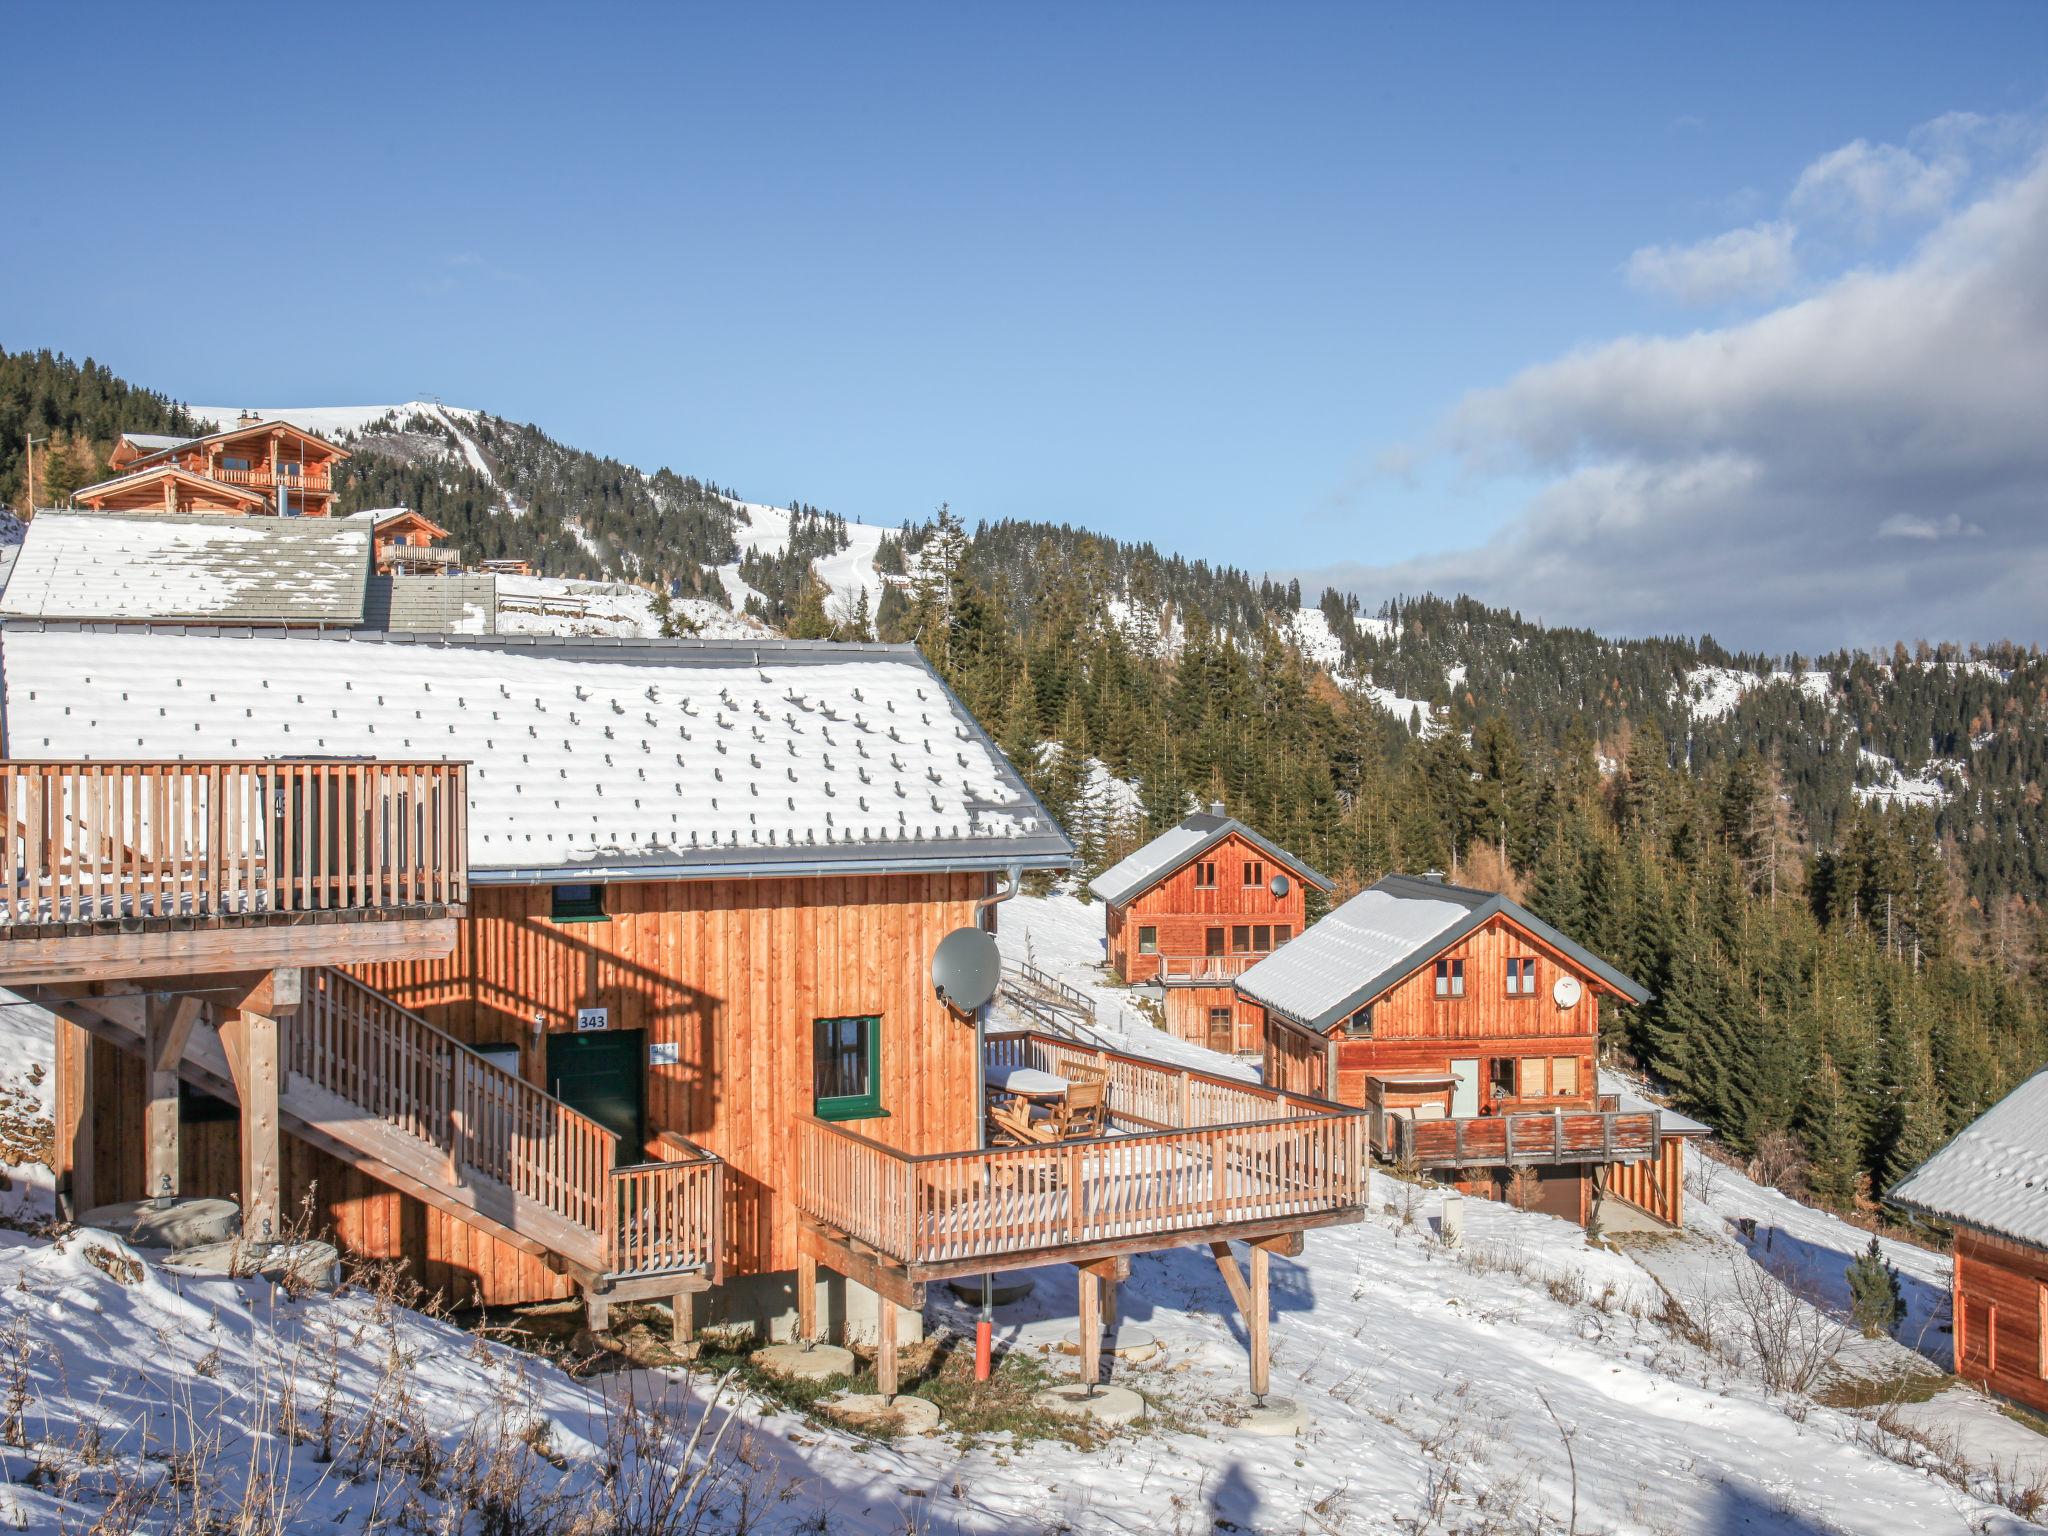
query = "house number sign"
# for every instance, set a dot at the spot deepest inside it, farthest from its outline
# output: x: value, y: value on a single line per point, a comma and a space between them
x: 593, y: 1018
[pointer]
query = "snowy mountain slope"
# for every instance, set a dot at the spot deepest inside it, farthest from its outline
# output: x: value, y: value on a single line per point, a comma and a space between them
x: 846, y: 573
x: 553, y: 605
x: 330, y: 421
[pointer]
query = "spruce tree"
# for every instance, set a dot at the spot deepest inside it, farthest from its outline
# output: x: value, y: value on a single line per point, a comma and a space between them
x: 1876, y: 1301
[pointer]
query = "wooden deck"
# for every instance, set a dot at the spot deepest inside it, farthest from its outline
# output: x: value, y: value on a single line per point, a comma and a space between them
x: 126, y: 868
x: 1534, y: 1137
x: 1191, y: 1157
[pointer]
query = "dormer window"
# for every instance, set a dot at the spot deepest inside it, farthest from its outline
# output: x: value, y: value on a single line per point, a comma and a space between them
x: 1450, y: 978
x: 1521, y: 975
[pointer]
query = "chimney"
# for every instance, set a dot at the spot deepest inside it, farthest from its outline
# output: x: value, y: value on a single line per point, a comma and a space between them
x: 1215, y: 807
x: 1435, y: 875
x: 248, y: 418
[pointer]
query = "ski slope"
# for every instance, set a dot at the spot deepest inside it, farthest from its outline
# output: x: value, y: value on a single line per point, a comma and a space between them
x: 846, y: 573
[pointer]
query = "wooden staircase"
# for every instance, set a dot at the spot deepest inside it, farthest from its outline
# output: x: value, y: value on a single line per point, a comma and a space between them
x: 1048, y: 1003
x: 385, y: 1091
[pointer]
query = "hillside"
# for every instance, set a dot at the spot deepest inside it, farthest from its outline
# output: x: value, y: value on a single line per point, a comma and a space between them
x: 1829, y: 870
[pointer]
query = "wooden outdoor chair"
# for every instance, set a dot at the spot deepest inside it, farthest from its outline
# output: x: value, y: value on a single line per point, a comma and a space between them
x: 1012, y: 1122
x: 1085, y: 1111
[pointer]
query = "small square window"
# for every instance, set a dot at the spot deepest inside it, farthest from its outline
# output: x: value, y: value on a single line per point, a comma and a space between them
x: 846, y: 1068
x: 1282, y: 932
x: 1262, y: 938
x: 1148, y: 941
x: 1564, y: 1075
x: 1359, y: 1025
x: 1535, y: 1077
x: 1521, y: 976
x: 578, y: 904
x: 1241, y: 939
x: 1205, y: 874
x: 1213, y: 942
x: 1254, y: 872
x: 1450, y: 978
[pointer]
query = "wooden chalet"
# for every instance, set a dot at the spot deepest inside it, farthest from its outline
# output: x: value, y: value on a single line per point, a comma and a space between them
x: 1990, y: 1185
x: 253, y: 468
x: 1468, y: 1029
x: 408, y: 541
x: 601, y: 966
x: 1192, y: 910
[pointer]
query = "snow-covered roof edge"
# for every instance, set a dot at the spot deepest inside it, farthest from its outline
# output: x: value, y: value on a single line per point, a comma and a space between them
x: 1134, y: 874
x: 1049, y: 849
x: 1481, y: 906
x: 1993, y: 1175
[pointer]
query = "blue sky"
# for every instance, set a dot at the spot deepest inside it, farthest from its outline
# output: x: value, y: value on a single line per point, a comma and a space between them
x: 1229, y: 279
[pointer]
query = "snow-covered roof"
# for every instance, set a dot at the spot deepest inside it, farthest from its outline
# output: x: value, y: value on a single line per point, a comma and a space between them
x: 154, y: 442
x: 1194, y: 836
x: 605, y: 758
x: 217, y: 567
x: 1381, y: 935
x: 442, y: 605
x: 159, y: 469
x: 1994, y: 1175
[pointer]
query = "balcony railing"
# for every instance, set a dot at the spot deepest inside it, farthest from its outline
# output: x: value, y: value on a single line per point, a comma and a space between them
x: 126, y: 842
x: 419, y: 556
x: 1195, y: 970
x: 1556, y: 1135
x: 1188, y: 1152
x: 313, y: 477
x: 667, y: 1214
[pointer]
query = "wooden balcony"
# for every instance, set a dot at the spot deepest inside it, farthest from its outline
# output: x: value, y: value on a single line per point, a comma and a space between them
x: 1204, y: 970
x: 1190, y: 1157
x: 1517, y: 1139
x: 313, y: 477
x: 139, y: 868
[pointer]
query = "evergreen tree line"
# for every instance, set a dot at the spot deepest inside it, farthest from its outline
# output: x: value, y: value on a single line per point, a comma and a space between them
x: 1839, y: 999
x: 79, y: 409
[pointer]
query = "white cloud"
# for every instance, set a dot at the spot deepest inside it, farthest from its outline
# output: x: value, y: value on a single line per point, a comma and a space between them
x: 1751, y: 263
x: 1873, y: 183
x: 1867, y: 464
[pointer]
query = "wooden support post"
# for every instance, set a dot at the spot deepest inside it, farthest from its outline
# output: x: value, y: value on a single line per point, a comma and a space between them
x: 160, y: 1107
x: 73, y: 1091
x: 1091, y: 1329
x: 597, y: 1312
x: 1109, y: 1302
x: 1258, y: 1323
x: 807, y: 1298
x: 885, y: 1346
x: 682, y: 1308
x: 1233, y: 1277
x: 251, y: 1042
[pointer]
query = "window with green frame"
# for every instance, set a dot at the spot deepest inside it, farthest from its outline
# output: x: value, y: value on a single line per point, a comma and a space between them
x: 846, y: 1068
x: 578, y: 904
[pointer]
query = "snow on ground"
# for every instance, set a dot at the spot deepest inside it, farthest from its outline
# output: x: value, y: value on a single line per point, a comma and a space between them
x: 846, y: 573
x: 1151, y: 631
x: 328, y: 421
x: 1931, y: 786
x: 553, y: 605
x: 1711, y: 693
x: 1308, y: 630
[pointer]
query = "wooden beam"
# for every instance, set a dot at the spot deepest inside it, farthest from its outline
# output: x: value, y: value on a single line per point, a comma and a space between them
x: 74, y: 1096
x: 889, y: 1280
x: 1091, y: 1328
x: 806, y: 1296
x: 252, y: 1057
x: 1233, y: 1277
x: 165, y: 952
x: 1150, y: 1242
x: 1260, y: 1324
x: 168, y: 1023
x: 885, y: 1346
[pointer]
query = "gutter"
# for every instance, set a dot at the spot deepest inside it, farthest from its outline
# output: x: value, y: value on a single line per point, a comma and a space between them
x: 766, y: 869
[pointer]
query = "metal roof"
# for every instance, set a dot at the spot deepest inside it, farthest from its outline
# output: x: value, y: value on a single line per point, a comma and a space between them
x: 589, y: 759
x: 209, y: 566
x: 1383, y: 934
x: 1194, y: 836
x: 1994, y: 1175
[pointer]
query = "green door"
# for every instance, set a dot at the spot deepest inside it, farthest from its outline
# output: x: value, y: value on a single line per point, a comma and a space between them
x: 599, y: 1073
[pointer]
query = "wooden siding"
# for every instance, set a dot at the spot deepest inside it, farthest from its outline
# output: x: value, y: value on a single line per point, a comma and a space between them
x: 1184, y: 913
x: 2000, y: 1292
x: 1411, y: 1010
x: 731, y: 974
x: 1187, y: 1015
x: 1656, y: 1186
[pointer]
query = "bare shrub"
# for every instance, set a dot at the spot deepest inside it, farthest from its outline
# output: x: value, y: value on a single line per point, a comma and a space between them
x: 1780, y: 1162
x: 1789, y: 1342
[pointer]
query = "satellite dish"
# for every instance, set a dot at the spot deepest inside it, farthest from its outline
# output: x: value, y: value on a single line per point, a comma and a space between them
x: 1280, y: 885
x: 966, y: 969
x: 1566, y: 990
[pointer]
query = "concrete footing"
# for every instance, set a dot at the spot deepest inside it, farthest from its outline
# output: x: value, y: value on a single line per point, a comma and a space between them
x: 308, y: 1263
x: 766, y: 1304
x: 180, y: 1224
x: 1275, y: 1416
x: 1105, y: 1405
x: 909, y: 1415
x: 1007, y: 1289
x: 1127, y: 1342
x: 793, y: 1362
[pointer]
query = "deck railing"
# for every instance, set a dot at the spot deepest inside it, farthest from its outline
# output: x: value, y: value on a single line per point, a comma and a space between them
x: 1202, y: 1152
x: 1540, y: 1136
x: 1194, y: 970
x: 311, y: 478
x: 669, y: 1213
x: 394, y: 1066
x: 88, y: 842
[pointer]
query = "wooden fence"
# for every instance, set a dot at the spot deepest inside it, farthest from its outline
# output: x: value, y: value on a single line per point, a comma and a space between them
x: 1550, y: 1136
x: 111, y: 841
x: 669, y: 1213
